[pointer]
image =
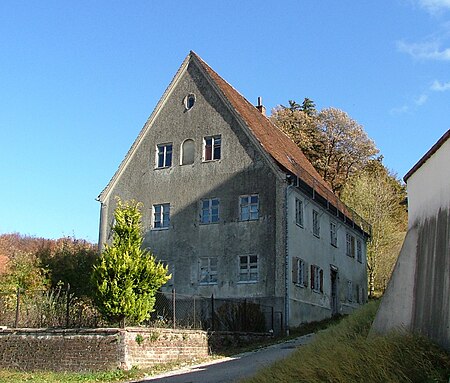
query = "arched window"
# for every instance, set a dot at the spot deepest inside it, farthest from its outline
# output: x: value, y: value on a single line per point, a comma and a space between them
x: 189, y: 101
x: 187, y: 152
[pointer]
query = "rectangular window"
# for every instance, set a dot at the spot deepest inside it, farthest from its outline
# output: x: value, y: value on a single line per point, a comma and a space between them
x: 161, y: 216
x: 164, y: 156
x: 248, y: 268
x: 210, y: 210
x: 350, y: 291
x: 207, y: 271
x: 212, y: 148
x: 299, y: 272
x: 299, y: 212
x: 333, y: 234
x: 350, y: 247
x: 359, y: 250
x: 316, y: 278
x: 316, y: 223
x: 249, y: 207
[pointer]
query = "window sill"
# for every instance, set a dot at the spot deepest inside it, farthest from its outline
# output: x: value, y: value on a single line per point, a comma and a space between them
x: 207, y: 284
x: 249, y: 220
x: 334, y: 245
x: 316, y: 235
x: 300, y: 285
x: 214, y: 160
x: 159, y: 228
x: 299, y: 225
x: 246, y: 282
x: 208, y: 223
x: 163, y: 167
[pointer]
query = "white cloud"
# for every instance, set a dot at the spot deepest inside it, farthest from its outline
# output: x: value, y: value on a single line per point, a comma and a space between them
x: 437, y: 86
x: 400, y: 110
x: 425, y: 51
x: 422, y: 99
x: 434, y: 6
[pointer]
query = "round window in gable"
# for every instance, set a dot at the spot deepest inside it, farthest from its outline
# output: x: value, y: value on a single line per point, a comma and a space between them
x: 189, y: 101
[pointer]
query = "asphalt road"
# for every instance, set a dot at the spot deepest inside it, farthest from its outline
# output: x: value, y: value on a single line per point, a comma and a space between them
x: 231, y: 369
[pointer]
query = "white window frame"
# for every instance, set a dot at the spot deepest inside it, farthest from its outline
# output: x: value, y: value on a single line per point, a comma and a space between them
x: 162, y: 151
x: 252, y: 208
x: 216, y: 143
x: 333, y: 233
x: 316, y: 279
x: 210, y: 211
x: 316, y: 222
x: 350, y: 245
x: 299, y: 272
x: 207, y: 271
x: 248, y: 270
x: 359, y: 250
x: 299, y: 212
x: 161, y: 216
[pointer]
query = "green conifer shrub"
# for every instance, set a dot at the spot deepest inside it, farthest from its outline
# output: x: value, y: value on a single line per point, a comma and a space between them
x: 126, y: 277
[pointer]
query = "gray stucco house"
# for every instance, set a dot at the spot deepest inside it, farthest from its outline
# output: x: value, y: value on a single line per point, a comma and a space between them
x: 233, y: 206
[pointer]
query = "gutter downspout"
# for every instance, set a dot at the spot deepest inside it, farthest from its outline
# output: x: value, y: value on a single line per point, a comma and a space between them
x: 286, y: 256
x: 101, y: 231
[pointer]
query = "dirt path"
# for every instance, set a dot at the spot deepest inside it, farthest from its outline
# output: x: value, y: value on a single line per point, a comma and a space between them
x: 234, y: 368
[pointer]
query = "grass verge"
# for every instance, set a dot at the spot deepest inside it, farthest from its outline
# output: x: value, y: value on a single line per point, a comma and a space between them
x: 344, y: 353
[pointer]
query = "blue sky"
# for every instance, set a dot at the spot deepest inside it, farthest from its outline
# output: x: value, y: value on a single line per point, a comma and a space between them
x: 79, y: 79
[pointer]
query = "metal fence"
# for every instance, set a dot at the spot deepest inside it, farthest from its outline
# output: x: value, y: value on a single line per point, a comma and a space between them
x: 60, y: 308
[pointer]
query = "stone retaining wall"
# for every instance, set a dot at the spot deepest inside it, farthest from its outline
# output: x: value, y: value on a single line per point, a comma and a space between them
x: 97, y: 349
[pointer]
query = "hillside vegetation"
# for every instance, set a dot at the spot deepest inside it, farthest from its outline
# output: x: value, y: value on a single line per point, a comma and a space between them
x: 345, y: 353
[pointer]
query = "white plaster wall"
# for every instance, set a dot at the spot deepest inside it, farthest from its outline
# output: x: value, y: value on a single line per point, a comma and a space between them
x: 305, y: 304
x: 428, y: 187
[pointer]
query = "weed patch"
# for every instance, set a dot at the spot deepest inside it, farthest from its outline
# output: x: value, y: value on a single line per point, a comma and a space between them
x: 344, y: 353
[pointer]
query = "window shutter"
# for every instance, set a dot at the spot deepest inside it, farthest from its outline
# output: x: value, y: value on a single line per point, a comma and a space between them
x: 312, y: 277
x: 321, y: 280
x: 295, y: 270
x: 306, y: 275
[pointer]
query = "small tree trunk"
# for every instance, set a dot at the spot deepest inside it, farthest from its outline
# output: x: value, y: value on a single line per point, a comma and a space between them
x: 122, y: 322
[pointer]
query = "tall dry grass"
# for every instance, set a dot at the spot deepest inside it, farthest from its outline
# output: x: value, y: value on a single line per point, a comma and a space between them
x: 344, y: 353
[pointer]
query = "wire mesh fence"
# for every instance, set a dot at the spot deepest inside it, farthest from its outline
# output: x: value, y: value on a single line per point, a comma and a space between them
x: 59, y: 308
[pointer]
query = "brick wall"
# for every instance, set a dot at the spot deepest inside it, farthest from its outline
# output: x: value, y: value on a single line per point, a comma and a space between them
x: 97, y: 349
x: 146, y: 347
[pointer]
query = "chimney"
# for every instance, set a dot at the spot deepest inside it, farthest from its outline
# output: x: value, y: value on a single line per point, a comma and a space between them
x: 260, y: 106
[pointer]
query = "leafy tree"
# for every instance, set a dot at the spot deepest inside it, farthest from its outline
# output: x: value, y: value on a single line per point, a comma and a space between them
x: 69, y: 261
x: 23, y: 271
x: 126, y: 277
x: 378, y: 196
x: 347, y: 147
x: 303, y: 129
x: 336, y: 145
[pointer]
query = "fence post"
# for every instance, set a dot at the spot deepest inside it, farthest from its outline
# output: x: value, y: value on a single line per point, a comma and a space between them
x: 272, y: 319
x: 173, y: 308
x: 194, y: 313
x: 212, y: 312
x: 16, y: 323
x: 67, y: 305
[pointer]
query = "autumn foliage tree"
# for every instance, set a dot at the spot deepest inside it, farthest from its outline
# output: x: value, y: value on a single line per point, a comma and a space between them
x: 126, y: 276
x: 335, y: 144
x: 378, y: 196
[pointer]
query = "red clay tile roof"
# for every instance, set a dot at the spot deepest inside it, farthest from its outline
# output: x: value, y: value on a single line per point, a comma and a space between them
x: 428, y: 154
x: 276, y: 143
